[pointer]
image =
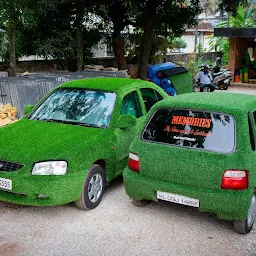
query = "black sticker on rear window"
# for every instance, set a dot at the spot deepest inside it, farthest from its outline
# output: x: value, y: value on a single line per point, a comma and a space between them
x: 195, y: 129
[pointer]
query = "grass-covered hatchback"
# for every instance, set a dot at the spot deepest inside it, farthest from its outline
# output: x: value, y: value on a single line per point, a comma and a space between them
x: 73, y: 142
x: 198, y: 150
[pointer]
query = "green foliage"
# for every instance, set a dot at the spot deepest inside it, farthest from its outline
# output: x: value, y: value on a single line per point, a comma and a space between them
x: 220, y: 44
x: 225, y: 51
x: 242, y: 18
x: 48, y: 28
x: 231, y: 5
x: 194, y: 63
x: 176, y: 44
x: 158, y: 49
x: 200, y: 48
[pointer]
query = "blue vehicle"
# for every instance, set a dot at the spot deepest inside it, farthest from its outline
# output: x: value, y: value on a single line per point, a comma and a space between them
x: 173, y: 79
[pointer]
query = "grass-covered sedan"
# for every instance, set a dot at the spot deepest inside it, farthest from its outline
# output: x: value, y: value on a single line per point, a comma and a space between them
x: 73, y: 142
x: 198, y: 150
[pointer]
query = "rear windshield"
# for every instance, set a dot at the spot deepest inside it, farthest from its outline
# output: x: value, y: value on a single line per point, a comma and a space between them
x: 194, y: 129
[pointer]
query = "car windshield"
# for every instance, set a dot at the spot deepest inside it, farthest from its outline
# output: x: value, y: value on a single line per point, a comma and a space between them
x: 77, y: 106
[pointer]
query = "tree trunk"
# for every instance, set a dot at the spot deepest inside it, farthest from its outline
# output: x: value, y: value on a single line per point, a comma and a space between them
x: 145, y: 45
x: 79, y: 36
x: 12, y: 49
x: 118, y: 47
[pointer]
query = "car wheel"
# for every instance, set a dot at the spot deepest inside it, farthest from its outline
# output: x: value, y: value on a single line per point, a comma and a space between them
x: 93, y: 188
x: 226, y: 86
x: 245, y: 226
x: 140, y: 203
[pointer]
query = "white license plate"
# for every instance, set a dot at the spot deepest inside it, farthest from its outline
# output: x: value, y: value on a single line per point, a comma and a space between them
x: 5, y: 184
x: 178, y: 199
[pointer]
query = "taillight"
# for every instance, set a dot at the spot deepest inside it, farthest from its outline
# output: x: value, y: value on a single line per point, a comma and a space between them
x: 134, y: 162
x: 235, y: 180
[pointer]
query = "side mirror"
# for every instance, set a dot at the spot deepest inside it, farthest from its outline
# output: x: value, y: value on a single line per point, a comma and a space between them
x: 126, y: 121
x: 28, y: 108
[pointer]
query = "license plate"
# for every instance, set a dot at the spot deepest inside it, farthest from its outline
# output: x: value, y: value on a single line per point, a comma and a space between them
x: 5, y: 184
x: 178, y: 199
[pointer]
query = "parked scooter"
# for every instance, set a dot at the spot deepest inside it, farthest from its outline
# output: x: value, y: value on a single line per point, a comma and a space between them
x: 221, y: 77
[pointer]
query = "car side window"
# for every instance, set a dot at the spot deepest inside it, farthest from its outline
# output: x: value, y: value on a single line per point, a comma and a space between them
x: 251, y: 130
x: 131, y: 105
x: 150, y: 97
x: 254, y: 116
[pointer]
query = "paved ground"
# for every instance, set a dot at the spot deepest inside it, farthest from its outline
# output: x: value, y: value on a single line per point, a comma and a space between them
x: 117, y: 228
x: 240, y: 90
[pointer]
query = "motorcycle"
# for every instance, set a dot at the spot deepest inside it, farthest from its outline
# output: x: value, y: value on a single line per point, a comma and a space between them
x: 221, y: 79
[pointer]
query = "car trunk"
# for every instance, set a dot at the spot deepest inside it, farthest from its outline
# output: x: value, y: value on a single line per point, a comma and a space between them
x: 185, y: 147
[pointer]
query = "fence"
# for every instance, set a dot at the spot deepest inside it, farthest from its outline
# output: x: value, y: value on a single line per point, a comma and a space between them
x: 21, y: 91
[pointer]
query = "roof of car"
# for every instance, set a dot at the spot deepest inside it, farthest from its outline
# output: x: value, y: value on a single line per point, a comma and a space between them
x: 107, y: 84
x: 231, y: 102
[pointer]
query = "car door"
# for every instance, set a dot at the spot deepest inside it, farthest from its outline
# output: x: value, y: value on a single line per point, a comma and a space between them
x: 150, y: 97
x: 131, y: 105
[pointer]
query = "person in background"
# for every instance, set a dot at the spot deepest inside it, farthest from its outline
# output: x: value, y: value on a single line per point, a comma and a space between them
x: 204, y: 78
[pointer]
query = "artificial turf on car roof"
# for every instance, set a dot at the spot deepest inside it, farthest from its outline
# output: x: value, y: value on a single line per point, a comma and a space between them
x: 108, y: 84
x: 227, y: 101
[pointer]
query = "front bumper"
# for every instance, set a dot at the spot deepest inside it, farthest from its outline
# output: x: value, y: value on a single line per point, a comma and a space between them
x: 226, y: 204
x: 56, y: 190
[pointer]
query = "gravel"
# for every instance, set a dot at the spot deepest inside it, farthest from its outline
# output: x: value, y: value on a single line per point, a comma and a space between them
x: 116, y: 227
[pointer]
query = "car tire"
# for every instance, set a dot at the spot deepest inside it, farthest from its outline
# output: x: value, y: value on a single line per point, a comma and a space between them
x: 93, y: 188
x: 245, y: 226
x: 140, y: 203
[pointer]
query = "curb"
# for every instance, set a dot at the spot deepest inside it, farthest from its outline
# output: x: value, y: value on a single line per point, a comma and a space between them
x: 243, y: 85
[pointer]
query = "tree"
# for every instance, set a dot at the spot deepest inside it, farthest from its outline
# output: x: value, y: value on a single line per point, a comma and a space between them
x: 209, y: 6
x: 177, y: 44
x: 160, y: 17
x: 116, y: 15
x: 11, y: 12
x: 58, y: 29
x: 243, y: 18
x: 153, y: 18
x: 231, y: 5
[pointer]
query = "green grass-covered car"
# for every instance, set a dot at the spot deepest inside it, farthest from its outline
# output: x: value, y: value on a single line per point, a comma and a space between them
x: 198, y: 150
x: 73, y: 142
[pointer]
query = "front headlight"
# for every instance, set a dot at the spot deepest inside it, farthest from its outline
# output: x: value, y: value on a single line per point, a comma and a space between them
x: 50, y: 168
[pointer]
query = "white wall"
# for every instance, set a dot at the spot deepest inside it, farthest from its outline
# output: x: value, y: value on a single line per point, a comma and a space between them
x: 190, y: 40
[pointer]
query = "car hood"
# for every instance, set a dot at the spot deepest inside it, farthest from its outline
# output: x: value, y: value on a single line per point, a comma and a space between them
x: 28, y: 141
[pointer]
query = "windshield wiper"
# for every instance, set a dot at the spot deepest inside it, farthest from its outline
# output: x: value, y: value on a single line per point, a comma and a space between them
x: 68, y: 122
x: 71, y: 122
x: 89, y: 125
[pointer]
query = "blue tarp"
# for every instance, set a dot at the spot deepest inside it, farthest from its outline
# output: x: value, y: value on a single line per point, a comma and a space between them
x: 153, y: 69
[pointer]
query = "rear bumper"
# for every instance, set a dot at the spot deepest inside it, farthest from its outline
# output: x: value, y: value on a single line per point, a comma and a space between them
x: 226, y: 204
x: 57, y: 189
